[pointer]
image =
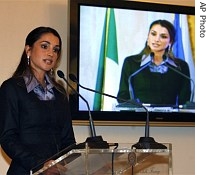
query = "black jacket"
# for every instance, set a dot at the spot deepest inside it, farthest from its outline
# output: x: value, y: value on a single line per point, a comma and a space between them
x: 32, y: 130
x: 155, y: 88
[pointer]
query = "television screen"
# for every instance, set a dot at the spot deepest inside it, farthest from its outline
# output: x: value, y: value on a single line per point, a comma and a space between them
x: 102, y: 34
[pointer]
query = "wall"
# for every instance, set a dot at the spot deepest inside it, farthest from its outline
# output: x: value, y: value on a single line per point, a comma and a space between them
x: 18, y: 17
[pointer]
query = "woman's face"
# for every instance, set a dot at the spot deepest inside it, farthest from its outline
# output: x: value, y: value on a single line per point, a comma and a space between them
x: 44, y: 52
x: 158, y: 38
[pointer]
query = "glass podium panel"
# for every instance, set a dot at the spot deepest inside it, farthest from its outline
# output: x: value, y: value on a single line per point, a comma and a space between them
x: 117, y: 161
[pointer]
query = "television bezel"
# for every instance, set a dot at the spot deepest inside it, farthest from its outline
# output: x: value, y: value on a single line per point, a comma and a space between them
x: 122, y: 117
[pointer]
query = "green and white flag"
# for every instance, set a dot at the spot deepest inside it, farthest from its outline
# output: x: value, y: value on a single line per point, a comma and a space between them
x: 108, y: 64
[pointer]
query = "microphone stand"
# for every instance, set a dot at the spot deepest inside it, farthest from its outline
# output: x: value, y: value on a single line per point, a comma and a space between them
x: 93, y: 141
x: 144, y: 142
x: 131, y: 91
x: 189, y: 104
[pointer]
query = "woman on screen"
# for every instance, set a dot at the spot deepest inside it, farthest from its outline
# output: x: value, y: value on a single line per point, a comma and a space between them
x: 149, y: 77
x: 35, y: 121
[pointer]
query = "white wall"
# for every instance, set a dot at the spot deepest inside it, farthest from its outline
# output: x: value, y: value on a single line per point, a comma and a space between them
x: 18, y: 17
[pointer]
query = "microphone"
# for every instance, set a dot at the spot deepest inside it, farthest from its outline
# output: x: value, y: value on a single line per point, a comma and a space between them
x: 144, y: 142
x: 131, y: 91
x: 93, y: 141
x: 190, y: 104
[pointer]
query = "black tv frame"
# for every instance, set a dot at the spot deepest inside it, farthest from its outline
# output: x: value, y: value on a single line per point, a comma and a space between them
x: 122, y: 117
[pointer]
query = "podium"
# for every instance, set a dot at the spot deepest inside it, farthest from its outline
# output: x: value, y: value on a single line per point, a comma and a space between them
x: 120, y: 160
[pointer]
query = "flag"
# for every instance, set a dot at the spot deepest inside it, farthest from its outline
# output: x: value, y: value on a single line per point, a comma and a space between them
x: 182, y: 46
x: 178, y: 49
x: 108, y: 61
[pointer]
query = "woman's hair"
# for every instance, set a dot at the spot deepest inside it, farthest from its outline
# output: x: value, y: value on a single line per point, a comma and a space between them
x: 172, y: 32
x: 32, y: 37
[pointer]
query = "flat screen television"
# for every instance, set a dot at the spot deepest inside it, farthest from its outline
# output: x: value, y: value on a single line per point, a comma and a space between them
x: 132, y: 20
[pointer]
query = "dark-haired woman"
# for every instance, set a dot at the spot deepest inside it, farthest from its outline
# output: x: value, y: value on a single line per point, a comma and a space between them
x: 35, y: 121
x: 147, y: 78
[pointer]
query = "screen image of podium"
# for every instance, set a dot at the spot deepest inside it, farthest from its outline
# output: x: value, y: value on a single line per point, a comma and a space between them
x: 117, y: 161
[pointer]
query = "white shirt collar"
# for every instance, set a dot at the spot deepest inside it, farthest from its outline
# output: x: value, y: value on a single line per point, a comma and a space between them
x: 34, y: 83
x: 146, y: 59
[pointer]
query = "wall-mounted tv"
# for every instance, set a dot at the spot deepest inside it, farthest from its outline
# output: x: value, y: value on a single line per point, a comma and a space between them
x: 89, y: 63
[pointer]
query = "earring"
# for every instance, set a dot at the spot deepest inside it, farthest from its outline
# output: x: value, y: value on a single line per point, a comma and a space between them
x: 28, y: 59
x: 51, y: 72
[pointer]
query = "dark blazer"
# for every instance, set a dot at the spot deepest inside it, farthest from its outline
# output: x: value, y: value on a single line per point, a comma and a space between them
x: 156, y: 88
x: 32, y: 130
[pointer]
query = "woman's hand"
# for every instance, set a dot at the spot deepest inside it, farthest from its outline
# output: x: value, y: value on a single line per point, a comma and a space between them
x: 55, y: 169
